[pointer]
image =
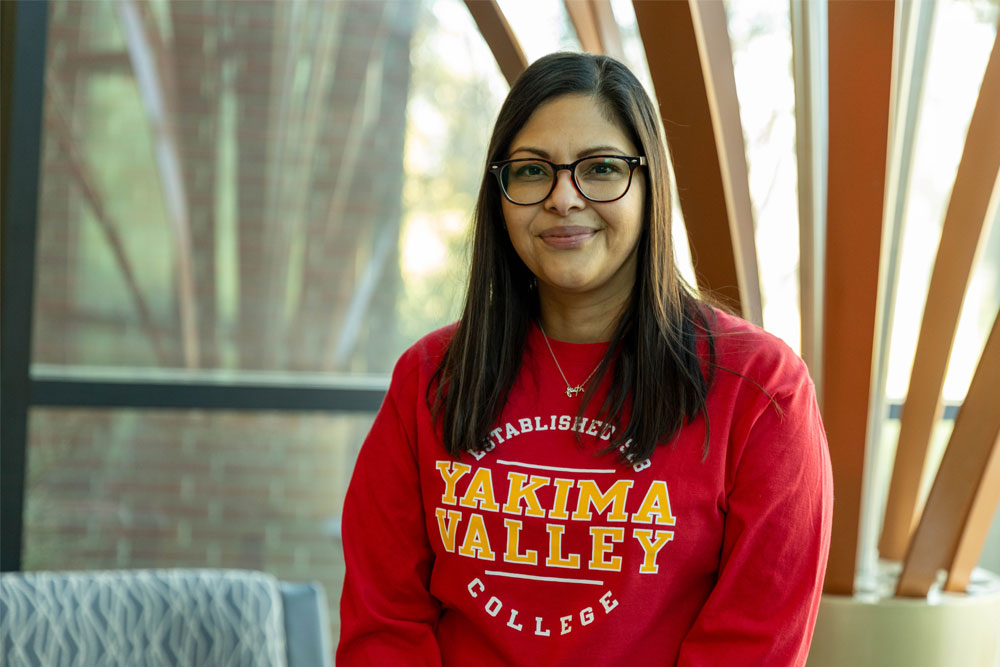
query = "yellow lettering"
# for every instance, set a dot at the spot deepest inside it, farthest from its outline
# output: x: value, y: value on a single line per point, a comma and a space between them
x: 451, y: 472
x: 521, y: 488
x: 476, y: 543
x: 651, y: 547
x: 555, y: 558
x: 601, y: 548
x: 590, y: 494
x: 448, y: 531
x: 558, y: 510
x: 479, y: 495
x: 512, y: 554
x: 655, y: 506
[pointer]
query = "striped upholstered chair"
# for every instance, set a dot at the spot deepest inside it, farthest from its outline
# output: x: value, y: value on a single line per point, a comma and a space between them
x: 161, y: 618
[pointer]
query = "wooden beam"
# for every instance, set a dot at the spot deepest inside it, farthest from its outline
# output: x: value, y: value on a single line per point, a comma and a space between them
x: 499, y: 36
x: 979, y: 520
x: 962, y: 235
x: 596, y: 28
x: 964, y: 496
x: 860, y: 67
x: 581, y: 15
x: 690, y: 61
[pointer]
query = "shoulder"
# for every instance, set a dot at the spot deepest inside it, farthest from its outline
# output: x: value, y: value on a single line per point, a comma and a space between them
x: 430, y: 347
x: 746, y: 350
x: 423, y: 357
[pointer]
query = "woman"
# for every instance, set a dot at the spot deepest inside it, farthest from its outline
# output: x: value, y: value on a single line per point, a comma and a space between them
x: 592, y: 466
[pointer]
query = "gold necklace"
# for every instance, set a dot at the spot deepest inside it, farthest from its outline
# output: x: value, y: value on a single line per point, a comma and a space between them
x: 571, y: 391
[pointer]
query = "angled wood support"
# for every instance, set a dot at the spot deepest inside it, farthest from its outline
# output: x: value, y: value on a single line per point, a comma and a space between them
x: 690, y: 61
x: 965, y: 493
x: 962, y: 235
x: 860, y: 56
x: 985, y: 501
x: 499, y: 36
x: 596, y: 27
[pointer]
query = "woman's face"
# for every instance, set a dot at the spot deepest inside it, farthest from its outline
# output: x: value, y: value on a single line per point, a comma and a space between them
x: 576, y: 247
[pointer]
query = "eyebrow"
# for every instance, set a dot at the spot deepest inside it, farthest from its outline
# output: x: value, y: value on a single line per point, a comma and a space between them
x: 586, y: 151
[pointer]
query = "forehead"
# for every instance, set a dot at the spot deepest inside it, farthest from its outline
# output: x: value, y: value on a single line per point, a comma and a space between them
x: 569, y: 124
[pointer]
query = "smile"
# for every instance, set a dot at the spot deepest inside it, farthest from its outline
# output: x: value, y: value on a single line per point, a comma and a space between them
x: 567, y: 237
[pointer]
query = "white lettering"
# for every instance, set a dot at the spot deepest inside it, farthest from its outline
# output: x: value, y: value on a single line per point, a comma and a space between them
x: 494, y: 606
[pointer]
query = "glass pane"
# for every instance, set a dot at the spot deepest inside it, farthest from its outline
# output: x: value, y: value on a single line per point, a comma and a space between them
x: 257, y: 185
x: 635, y: 52
x: 110, y: 489
x: 541, y: 27
x: 760, y: 34
x: 961, y: 38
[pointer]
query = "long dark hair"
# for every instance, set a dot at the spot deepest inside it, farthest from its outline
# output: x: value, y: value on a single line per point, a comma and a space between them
x: 654, y: 351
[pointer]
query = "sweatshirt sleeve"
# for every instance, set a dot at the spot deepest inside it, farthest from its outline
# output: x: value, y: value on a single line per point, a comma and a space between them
x: 763, y: 607
x: 387, y: 614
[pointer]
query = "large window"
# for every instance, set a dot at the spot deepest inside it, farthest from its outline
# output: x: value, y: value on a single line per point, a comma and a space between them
x: 229, y: 190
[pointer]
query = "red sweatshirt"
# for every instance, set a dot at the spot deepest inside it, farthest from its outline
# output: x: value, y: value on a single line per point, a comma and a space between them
x: 540, y: 552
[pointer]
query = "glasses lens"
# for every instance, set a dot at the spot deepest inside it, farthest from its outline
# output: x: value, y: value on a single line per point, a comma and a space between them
x: 526, y: 181
x: 602, y: 178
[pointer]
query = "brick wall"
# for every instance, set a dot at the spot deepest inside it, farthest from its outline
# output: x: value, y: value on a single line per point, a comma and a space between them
x: 137, y: 489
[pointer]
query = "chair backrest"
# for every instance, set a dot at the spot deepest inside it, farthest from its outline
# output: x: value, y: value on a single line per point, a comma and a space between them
x: 307, y: 624
x: 142, y: 617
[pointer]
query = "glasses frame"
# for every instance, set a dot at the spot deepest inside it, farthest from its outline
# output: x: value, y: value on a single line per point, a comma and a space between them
x: 633, y: 162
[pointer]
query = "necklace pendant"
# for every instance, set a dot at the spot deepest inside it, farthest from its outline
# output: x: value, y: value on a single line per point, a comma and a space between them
x: 573, y: 391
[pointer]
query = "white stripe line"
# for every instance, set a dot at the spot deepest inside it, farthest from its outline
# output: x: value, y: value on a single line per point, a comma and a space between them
x: 538, y: 578
x: 541, y: 467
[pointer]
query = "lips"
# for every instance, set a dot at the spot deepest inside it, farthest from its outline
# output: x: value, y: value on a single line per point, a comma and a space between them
x: 571, y: 236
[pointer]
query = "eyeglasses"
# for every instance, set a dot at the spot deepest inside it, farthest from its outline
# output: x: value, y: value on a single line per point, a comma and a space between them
x: 599, y: 178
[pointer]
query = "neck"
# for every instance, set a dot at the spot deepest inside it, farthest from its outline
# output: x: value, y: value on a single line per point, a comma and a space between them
x: 575, y: 320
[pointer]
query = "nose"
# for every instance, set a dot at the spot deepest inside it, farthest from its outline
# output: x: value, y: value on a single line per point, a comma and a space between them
x: 564, y: 197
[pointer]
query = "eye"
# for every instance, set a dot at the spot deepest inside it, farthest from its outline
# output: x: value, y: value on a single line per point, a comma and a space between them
x: 602, y: 168
x: 530, y: 171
